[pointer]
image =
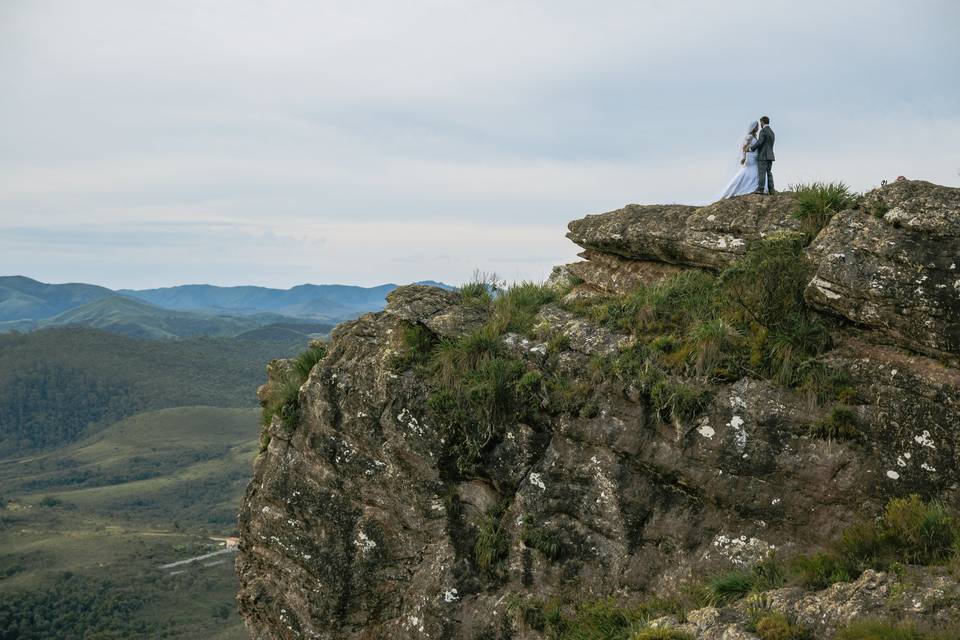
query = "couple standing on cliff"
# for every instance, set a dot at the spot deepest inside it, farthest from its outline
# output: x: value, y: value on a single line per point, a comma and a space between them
x: 756, y: 162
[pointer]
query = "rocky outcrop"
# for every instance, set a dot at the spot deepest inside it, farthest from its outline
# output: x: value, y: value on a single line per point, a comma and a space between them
x: 358, y: 524
x: 925, y: 597
x: 710, y: 237
x: 894, y: 265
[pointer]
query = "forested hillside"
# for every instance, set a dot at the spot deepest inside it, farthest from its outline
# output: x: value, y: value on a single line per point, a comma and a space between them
x: 58, y: 382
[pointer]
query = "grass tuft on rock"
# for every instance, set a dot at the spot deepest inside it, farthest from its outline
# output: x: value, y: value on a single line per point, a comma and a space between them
x: 841, y: 424
x: 910, y: 531
x: 883, y: 630
x: 750, y: 320
x: 491, y: 545
x: 661, y: 634
x: 818, y: 202
x: 283, y: 399
x: 777, y: 626
x: 545, y: 541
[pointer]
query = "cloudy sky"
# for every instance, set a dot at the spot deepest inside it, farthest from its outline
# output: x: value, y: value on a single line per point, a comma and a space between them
x: 148, y: 143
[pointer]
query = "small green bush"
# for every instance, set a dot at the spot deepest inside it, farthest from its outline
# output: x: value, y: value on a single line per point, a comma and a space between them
x: 546, y: 542
x: 478, y: 291
x: 715, y: 342
x: 600, y: 619
x: 283, y: 400
x: 910, y: 531
x: 661, y: 634
x: 727, y: 587
x: 797, y: 340
x: 766, y: 285
x: 820, y: 570
x: 824, y: 383
x: 491, y: 545
x: 920, y: 532
x: 284, y: 396
x: 817, y: 202
x: 841, y: 424
x: 776, y: 626
x: 678, y: 402
x: 303, y: 364
x: 417, y: 346
x: 514, y: 310
x: 882, y: 630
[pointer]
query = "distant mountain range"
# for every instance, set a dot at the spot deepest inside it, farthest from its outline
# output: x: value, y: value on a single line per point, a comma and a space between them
x: 185, y: 311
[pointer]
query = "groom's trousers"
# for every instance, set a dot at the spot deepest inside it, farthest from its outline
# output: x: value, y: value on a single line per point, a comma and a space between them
x: 765, y: 174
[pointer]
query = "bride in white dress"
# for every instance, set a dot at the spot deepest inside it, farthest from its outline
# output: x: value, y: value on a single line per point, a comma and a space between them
x: 746, y: 179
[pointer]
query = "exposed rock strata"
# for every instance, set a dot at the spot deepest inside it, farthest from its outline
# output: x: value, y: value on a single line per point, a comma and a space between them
x: 894, y: 265
x: 710, y: 237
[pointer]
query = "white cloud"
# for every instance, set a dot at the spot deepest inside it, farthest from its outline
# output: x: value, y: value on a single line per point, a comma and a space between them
x: 266, y: 124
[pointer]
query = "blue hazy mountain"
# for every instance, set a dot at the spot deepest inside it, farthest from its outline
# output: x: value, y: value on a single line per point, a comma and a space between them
x: 187, y: 310
x: 23, y: 298
x: 129, y: 317
x: 331, y: 302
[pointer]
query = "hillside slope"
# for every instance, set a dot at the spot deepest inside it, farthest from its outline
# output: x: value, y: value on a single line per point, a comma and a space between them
x: 85, y: 529
x: 24, y: 298
x: 318, y: 302
x: 714, y: 396
x: 57, y: 383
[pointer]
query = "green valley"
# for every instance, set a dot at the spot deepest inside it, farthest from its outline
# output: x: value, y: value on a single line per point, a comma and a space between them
x: 86, y: 528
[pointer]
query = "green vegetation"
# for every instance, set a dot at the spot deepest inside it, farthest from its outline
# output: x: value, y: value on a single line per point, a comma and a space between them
x: 596, y: 619
x: 776, y: 626
x: 304, y: 363
x: 418, y: 343
x: 817, y: 202
x: 661, y: 634
x: 728, y: 587
x: 910, y: 531
x: 476, y: 387
x: 60, y: 384
x: 694, y: 329
x: 492, y: 545
x: 283, y: 398
x: 732, y: 585
x: 679, y: 402
x: 137, y: 494
x: 841, y: 424
x: 545, y: 541
x: 880, y: 630
x: 75, y: 607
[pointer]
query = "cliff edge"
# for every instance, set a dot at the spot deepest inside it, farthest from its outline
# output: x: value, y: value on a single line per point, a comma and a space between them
x: 710, y: 392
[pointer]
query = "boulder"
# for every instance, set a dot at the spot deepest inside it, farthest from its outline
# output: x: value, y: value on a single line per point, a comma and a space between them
x: 437, y: 309
x: 894, y: 265
x: 710, y: 237
x: 612, y: 274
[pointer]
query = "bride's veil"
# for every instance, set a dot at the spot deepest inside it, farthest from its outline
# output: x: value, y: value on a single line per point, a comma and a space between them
x: 743, y: 138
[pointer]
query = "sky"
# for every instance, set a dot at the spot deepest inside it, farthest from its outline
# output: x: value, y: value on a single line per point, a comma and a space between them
x: 148, y: 143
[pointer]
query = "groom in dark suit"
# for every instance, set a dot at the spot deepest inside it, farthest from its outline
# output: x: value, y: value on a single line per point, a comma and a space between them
x: 764, y: 148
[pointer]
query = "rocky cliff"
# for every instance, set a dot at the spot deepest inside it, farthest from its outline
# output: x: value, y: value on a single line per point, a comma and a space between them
x: 711, y: 391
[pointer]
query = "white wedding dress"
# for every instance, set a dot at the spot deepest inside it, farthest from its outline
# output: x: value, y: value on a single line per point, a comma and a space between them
x: 746, y: 179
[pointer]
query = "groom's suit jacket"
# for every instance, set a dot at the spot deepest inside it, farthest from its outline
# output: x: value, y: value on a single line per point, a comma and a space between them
x: 764, y: 144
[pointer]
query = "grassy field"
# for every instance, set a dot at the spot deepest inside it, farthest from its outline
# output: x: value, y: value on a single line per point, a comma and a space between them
x: 100, y: 517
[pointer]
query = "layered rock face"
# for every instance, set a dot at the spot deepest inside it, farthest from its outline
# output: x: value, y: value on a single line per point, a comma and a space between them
x: 358, y: 524
x: 897, y: 271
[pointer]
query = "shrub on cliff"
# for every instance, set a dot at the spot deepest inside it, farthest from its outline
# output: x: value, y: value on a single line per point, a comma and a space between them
x: 476, y: 387
x: 910, y: 531
x: 817, y: 202
x: 882, y: 630
x: 283, y: 397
